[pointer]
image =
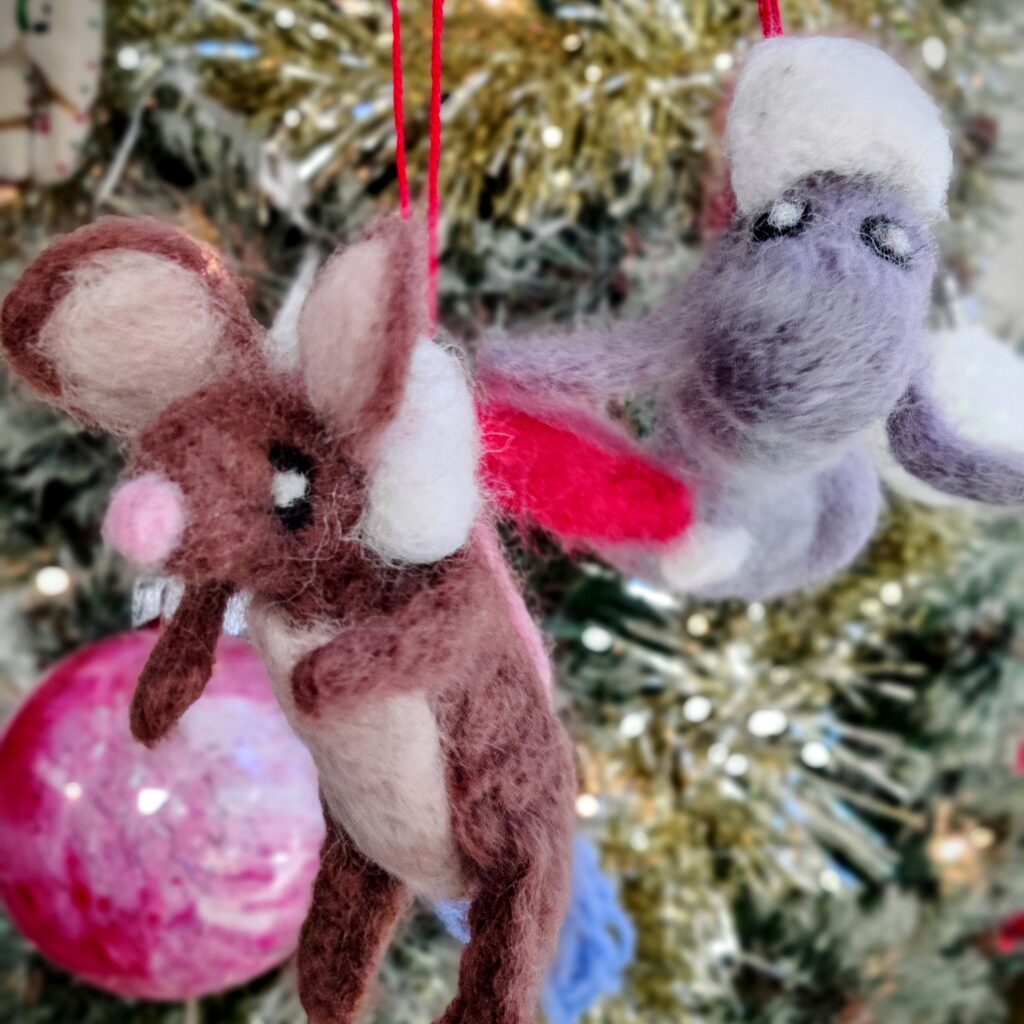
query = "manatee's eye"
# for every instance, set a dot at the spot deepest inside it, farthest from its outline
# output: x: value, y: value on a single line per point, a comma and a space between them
x: 290, y: 488
x: 787, y: 216
x: 889, y: 240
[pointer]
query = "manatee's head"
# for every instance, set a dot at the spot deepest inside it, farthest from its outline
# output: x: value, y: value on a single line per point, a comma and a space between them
x: 805, y: 319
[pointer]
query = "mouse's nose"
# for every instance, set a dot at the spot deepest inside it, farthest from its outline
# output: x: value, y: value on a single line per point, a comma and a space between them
x: 145, y: 519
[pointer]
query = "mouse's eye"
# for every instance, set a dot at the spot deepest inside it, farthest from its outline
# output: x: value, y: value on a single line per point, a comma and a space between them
x: 889, y: 240
x: 291, y: 486
x: 787, y: 216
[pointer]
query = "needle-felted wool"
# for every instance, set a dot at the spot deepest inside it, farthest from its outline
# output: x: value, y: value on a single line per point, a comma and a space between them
x: 181, y: 663
x: 867, y: 115
x: 396, y: 644
x: 802, y: 329
x: 978, y: 379
x: 595, y: 947
x: 577, y: 478
x: 114, y: 342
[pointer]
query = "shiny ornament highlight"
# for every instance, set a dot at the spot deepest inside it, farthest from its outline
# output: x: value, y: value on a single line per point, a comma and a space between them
x: 163, y: 874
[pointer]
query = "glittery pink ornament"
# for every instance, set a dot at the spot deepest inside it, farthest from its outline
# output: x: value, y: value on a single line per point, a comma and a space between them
x: 1010, y: 935
x: 167, y: 873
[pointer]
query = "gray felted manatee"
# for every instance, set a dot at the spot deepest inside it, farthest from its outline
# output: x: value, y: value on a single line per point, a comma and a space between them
x: 802, y: 329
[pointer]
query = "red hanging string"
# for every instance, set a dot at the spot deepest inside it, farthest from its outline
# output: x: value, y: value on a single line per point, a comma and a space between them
x: 434, y: 166
x: 771, y: 18
x: 398, y: 93
x: 434, y: 171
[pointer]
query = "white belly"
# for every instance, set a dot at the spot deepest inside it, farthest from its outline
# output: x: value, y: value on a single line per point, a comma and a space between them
x: 380, y: 766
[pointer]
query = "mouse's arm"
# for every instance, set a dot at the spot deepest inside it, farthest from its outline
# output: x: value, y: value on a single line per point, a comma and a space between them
x: 928, y: 446
x: 180, y: 664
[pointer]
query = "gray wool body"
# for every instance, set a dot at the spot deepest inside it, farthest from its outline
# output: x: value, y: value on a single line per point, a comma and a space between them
x: 803, y: 326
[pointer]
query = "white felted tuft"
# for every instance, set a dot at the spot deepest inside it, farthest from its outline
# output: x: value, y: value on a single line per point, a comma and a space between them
x: 135, y: 333
x: 978, y: 381
x: 817, y: 104
x: 288, y: 486
x: 423, y: 495
x: 705, y: 556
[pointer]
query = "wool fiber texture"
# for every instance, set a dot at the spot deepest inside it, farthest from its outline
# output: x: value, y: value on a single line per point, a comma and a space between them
x: 578, y: 479
x: 799, y: 337
x: 767, y: 370
x: 115, y: 321
x: 342, y: 493
x: 806, y: 105
x: 977, y: 379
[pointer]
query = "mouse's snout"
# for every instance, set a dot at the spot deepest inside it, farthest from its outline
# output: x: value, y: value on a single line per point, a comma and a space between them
x: 145, y: 519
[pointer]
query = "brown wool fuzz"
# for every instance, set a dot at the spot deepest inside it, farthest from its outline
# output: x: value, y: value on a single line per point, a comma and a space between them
x: 395, y: 645
x: 180, y: 665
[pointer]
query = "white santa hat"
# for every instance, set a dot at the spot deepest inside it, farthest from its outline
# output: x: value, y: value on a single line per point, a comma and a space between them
x: 821, y: 104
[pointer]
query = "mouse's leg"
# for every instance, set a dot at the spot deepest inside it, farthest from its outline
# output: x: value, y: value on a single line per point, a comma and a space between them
x: 356, y: 906
x: 513, y: 782
x: 514, y: 921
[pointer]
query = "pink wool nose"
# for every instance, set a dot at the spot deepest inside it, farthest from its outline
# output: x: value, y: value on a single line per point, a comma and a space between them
x: 145, y: 519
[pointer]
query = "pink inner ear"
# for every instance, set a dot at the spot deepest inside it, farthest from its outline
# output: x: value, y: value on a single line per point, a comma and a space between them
x: 522, y: 621
x: 145, y: 519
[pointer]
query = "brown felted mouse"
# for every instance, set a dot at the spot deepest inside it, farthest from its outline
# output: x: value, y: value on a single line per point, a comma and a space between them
x: 343, y: 495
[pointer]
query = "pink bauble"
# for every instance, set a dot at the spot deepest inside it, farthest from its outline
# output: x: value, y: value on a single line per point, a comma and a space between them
x: 167, y: 873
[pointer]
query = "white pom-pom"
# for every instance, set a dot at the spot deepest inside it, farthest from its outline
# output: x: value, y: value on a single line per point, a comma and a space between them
x: 819, y: 104
x: 423, y: 496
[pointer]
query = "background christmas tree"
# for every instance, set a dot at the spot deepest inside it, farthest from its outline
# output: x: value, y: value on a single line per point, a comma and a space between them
x: 809, y: 806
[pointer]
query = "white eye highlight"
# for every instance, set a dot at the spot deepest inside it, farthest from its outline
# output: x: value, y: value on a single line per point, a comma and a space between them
x: 889, y: 240
x: 896, y: 240
x: 785, y: 214
x: 289, y: 486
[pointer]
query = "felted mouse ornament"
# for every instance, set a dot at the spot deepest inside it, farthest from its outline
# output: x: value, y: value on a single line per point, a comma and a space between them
x: 343, y: 496
x: 803, y: 328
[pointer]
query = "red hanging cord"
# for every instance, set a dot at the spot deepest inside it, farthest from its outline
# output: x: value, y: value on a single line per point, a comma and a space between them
x: 771, y: 18
x: 434, y: 170
x: 398, y: 93
x: 434, y: 166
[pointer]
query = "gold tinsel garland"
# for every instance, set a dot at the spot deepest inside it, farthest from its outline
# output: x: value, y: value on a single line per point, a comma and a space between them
x: 722, y: 756
x: 548, y: 108
x: 549, y: 111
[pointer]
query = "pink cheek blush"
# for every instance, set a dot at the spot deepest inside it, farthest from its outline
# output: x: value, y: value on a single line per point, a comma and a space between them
x: 145, y: 519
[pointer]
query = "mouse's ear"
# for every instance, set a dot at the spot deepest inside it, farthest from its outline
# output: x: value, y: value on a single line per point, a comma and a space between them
x: 359, y: 325
x: 120, y: 318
